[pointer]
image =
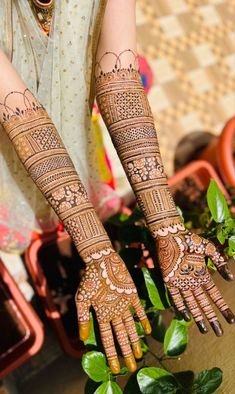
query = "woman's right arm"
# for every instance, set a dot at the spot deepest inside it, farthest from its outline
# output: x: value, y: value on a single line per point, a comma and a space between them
x: 106, y: 284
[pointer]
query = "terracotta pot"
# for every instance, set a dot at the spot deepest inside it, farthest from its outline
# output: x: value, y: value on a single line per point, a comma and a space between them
x: 22, y: 333
x: 201, y: 172
x: 220, y: 153
x: 70, y: 343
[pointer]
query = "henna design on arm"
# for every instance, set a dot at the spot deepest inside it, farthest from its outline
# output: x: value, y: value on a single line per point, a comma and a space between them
x: 106, y: 284
x: 126, y: 112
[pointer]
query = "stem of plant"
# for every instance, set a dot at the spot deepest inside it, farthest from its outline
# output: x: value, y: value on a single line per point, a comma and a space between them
x: 159, y: 359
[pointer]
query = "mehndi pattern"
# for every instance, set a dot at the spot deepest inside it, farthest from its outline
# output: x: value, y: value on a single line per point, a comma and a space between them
x: 106, y: 285
x: 125, y: 109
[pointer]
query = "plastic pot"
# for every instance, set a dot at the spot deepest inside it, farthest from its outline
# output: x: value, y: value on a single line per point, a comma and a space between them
x: 42, y: 258
x: 22, y: 333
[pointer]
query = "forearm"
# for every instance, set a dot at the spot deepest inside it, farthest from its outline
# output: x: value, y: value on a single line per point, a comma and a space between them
x: 128, y: 117
x: 45, y: 158
x: 134, y: 136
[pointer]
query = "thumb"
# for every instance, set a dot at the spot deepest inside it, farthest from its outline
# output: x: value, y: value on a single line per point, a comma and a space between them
x: 83, y: 308
x: 218, y: 260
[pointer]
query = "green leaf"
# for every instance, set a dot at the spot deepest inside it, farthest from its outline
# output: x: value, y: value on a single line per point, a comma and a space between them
x: 152, y: 290
x: 139, y: 329
x: 143, y: 303
x: 123, y: 372
x: 108, y: 388
x: 180, y: 213
x: 220, y: 236
x: 176, y: 338
x: 231, y: 245
x: 167, y: 297
x: 211, y: 265
x: 91, y: 340
x: 158, y: 328
x: 217, y: 202
x: 206, y: 382
x: 153, y: 380
x: 144, y: 346
x: 94, y: 364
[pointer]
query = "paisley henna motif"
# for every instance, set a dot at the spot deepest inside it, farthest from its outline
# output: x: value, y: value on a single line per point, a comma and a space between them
x: 127, y: 114
x: 106, y: 285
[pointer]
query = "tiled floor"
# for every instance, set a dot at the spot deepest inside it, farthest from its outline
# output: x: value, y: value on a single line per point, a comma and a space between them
x: 190, y: 45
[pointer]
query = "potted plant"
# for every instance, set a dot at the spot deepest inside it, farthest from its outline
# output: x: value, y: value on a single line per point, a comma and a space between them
x: 132, y: 240
x: 22, y: 332
x: 55, y: 268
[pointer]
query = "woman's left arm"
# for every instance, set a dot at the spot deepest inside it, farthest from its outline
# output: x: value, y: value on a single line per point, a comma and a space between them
x: 127, y: 114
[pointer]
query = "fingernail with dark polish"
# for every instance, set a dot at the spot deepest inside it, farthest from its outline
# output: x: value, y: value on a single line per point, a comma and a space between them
x: 217, y: 328
x: 229, y: 316
x: 202, y: 327
x: 186, y: 315
x: 226, y: 273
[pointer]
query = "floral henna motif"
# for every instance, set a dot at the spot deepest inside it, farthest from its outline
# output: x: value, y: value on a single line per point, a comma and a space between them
x: 106, y: 284
x: 127, y: 114
x: 182, y: 260
x: 108, y: 287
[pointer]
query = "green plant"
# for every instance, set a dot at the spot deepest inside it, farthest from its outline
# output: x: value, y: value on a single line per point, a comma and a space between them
x: 136, y: 246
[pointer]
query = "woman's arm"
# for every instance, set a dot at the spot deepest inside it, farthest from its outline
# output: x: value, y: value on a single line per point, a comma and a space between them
x: 127, y: 114
x: 106, y: 284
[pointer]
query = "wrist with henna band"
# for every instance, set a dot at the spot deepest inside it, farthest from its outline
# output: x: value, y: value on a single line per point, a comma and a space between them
x: 126, y: 112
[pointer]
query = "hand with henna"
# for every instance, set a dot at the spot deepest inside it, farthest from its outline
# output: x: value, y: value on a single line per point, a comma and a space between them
x: 182, y: 261
x: 107, y: 287
x: 127, y: 115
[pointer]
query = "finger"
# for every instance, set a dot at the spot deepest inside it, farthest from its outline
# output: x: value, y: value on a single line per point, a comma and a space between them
x: 132, y: 333
x: 83, y: 308
x: 142, y: 315
x: 124, y: 343
x: 217, y: 298
x: 109, y: 347
x: 218, y: 260
x: 208, y: 311
x: 195, y: 311
x: 179, y: 303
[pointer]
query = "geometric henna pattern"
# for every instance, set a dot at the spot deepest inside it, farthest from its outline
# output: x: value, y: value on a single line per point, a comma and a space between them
x: 125, y: 109
x: 127, y: 114
x: 106, y: 284
x: 44, y: 156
